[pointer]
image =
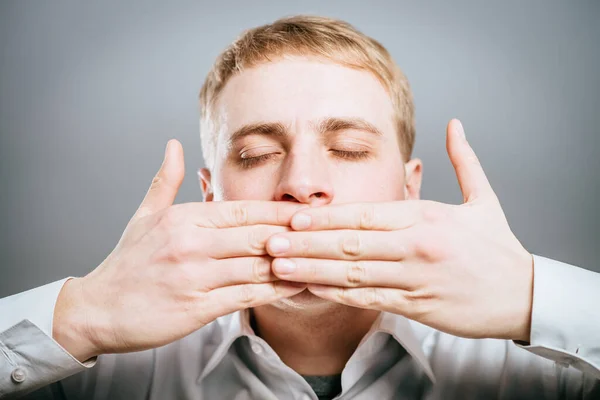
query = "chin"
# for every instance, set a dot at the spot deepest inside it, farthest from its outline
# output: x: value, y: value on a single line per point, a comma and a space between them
x: 305, y: 300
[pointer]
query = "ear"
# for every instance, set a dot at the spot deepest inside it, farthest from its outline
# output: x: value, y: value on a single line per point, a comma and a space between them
x: 413, y: 172
x: 205, y: 183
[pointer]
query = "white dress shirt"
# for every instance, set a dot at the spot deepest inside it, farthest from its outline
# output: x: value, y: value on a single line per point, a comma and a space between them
x: 397, y: 359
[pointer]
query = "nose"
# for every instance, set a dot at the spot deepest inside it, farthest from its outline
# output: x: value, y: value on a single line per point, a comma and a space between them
x: 305, y: 179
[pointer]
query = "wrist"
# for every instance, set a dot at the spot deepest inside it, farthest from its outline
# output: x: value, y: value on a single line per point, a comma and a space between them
x: 523, y: 334
x: 70, y: 322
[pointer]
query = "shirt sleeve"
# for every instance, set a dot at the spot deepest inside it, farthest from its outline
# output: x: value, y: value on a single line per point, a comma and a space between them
x: 565, y: 320
x: 29, y: 357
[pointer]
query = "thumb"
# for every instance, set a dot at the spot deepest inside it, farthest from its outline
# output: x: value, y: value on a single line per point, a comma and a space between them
x: 471, y: 178
x: 166, y: 183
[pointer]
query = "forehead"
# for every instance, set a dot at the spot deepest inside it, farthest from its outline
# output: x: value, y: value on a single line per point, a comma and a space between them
x: 296, y: 91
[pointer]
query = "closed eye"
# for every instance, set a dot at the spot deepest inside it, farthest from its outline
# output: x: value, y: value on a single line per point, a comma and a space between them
x: 351, y: 155
x: 249, y: 162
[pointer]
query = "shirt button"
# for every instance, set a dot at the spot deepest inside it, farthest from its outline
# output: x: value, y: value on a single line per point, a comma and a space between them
x: 18, y: 375
x: 257, y: 348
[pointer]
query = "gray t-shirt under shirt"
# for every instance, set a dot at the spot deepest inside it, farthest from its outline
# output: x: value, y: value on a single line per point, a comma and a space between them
x: 325, y: 387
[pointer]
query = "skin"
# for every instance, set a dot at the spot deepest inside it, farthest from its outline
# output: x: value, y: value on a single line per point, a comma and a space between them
x: 309, y: 166
x: 394, y: 253
x: 359, y: 240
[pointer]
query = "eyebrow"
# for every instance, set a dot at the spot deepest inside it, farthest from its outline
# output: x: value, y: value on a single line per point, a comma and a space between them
x: 335, y: 124
x: 324, y: 126
x: 273, y: 129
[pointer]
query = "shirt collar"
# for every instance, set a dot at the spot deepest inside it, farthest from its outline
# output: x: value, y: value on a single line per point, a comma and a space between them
x: 400, y: 329
x: 238, y: 325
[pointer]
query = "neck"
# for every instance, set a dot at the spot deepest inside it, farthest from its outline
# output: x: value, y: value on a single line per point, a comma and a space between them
x: 313, y: 342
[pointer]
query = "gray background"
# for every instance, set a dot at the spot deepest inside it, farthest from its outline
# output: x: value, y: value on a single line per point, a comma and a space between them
x: 90, y: 94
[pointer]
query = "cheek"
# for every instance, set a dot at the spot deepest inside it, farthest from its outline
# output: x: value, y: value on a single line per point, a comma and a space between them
x: 233, y: 185
x: 376, y: 182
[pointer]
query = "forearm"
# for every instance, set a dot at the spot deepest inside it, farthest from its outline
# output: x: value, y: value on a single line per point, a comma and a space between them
x: 29, y: 357
x: 565, y: 324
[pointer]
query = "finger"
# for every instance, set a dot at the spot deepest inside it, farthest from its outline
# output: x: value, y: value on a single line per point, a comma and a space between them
x: 166, y: 182
x: 229, y: 299
x: 228, y: 214
x: 241, y: 241
x: 471, y: 177
x: 240, y: 270
x: 343, y: 245
x: 366, y: 216
x: 375, y: 298
x: 346, y: 273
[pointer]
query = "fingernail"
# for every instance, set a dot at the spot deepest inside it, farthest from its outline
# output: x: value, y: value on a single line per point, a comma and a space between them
x: 279, y: 244
x: 284, y: 266
x: 301, y: 221
x: 460, y: 130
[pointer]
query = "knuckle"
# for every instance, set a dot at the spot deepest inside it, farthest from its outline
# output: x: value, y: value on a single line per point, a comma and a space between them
x: 367, y: 217
x: 422, y: 248
x: 419, y: 303
x: 177, y: 248
x: 342, y: 295
x: 328, y: 219
x: 156, y: 182
x: 246, y: 296
x: 431, y: 248
x: 261, y: 269
x: 305, y: 246
x: 239, y: 213
x: 257, y: 239
x: 355, y: 274
x: 350, y: 244
x: 372, y: 297
x: 312, y: 271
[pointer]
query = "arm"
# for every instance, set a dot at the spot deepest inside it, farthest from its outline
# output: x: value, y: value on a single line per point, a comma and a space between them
x: 458, y: 269
x: 565, y: 326
x: 157, y: 286
x: 29, y: 357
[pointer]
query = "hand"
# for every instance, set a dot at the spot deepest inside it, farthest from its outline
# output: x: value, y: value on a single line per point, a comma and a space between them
x: 175, y: 269
x: 458, y: 269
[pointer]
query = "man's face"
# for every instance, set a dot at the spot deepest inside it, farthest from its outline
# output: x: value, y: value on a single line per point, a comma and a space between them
x: 308, y: 131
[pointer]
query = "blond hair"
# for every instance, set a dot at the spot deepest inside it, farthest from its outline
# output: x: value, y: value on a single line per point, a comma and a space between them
x: 303, y: 35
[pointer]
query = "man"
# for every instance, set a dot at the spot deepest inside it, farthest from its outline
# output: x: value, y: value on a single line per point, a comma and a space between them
x: 312, y: 270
